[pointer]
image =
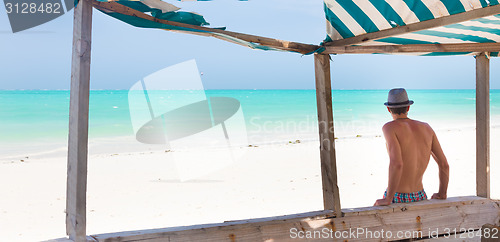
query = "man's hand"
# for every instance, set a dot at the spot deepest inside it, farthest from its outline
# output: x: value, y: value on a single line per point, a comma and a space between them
x: 383, y: 202
x: 438, y: 196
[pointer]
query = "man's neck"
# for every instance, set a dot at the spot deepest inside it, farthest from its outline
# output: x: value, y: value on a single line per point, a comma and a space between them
x: 400, y: 116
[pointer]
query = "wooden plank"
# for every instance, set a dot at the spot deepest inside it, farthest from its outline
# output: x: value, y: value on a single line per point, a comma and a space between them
x: 447, y: 20
x: 422, y: 220
x: 482, y: 126
x: 78, y: 123
x: 414, y: 48
x: 310, y: 215
x: 331, y: 198
x: 433, y: 203
x: 462, y: 237
x: 276, y: 43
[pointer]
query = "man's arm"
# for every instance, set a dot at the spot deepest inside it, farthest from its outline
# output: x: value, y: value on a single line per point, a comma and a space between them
x: 444, y: 168
x: 395, y: 165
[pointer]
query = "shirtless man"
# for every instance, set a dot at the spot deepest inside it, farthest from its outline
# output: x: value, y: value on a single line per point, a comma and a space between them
x: 410, y: 143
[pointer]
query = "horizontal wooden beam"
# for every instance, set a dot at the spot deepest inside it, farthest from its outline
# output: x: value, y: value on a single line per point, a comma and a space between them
x: 275, y: 43
x: 421, y: 219
x: 416, y: 48
x: 442, y: 21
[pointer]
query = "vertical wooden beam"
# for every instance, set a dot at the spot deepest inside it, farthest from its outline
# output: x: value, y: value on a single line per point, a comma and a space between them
x: 331, y: 199
x: 483, y: 126
x: 78, y: 123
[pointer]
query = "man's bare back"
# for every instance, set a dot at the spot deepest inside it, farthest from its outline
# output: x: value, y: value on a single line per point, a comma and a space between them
x: 414, y: 139
x: 410, y: 144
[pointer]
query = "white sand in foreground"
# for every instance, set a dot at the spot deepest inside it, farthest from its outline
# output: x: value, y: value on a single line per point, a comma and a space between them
x: 142, y: 191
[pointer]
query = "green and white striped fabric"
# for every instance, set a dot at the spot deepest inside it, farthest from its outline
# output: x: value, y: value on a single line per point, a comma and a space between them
x: 349, y: 18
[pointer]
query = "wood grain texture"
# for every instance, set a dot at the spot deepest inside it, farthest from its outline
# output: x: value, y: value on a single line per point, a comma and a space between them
x: 413, y: 48
x: 331, y: 197
x: 78, y: 123
x: 482, y: 126
x: 423, y: 219
x: 447, y: 20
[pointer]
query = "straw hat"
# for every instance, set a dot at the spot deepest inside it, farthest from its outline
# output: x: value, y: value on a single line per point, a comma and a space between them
x: 398, y: 98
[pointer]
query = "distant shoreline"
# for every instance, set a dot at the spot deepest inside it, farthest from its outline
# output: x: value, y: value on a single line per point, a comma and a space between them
x: 37, y: 121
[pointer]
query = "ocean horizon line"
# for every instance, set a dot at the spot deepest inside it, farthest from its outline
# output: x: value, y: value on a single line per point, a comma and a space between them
x: 254, y: 89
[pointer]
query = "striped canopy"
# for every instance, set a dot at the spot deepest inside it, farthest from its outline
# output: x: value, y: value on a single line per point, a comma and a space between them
x: 448, y: 22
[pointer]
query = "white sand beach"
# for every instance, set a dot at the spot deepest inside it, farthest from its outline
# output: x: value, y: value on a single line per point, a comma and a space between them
x: 141, y: 190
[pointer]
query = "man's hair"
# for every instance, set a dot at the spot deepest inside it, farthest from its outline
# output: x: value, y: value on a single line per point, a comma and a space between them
x: 400, y: 110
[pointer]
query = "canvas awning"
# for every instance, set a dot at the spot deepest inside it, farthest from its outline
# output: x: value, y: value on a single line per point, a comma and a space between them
x: 420, y: 22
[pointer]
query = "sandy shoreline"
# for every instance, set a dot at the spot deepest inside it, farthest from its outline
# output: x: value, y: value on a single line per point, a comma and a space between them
x: 142, y: 190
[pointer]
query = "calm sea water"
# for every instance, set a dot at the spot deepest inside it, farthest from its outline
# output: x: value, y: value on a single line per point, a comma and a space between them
x: 36, y: 117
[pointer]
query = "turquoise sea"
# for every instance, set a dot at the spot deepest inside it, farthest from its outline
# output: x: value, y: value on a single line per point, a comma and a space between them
x: 37, y: 119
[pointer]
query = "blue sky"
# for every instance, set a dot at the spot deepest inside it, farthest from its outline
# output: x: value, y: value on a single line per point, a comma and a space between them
x: 40, y: 58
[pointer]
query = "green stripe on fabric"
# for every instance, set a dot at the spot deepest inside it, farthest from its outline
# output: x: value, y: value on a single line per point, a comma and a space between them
x: 337, y: 23
x: 143, y: 23
x: 483, y: 3
x: 136, y: 5
x: 420, y: 9
x: 403, y: 41
x: 487, y: 21
x: 474, y: 28
x: 180, y: 17
x: 446, y: 53
x: 455, y: 36
x: 363, y: 20
x: 327, y: 39
x: 454, y: 6
x: 388, y: 12
x: 495, y: 54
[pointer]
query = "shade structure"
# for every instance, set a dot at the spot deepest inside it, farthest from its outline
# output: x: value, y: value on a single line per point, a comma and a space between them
x: 155, y: 14
x: 420, y: 22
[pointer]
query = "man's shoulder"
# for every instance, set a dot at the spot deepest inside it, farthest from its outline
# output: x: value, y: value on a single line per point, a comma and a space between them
x: 420, y: 123
x: 389, y: 126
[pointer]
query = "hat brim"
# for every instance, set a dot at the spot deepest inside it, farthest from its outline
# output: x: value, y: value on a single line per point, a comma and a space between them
x: 410, y: 102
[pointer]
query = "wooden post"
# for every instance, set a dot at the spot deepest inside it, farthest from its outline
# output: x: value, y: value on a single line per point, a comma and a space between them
x: 78, y: 123
x: 331, y: 199
x: 482, y: 126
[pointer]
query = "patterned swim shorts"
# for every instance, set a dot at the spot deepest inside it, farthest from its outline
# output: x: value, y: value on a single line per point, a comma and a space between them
x: 408, y: 197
